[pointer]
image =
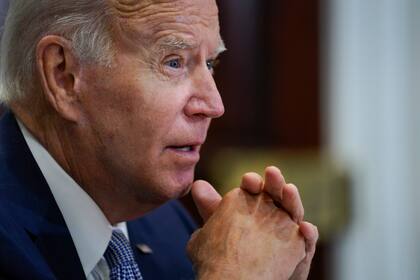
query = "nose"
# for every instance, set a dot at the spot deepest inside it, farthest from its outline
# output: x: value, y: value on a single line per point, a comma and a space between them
x: 205, y: 100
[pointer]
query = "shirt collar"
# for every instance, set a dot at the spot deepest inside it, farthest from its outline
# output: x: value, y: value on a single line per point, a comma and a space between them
x: 88, y: 226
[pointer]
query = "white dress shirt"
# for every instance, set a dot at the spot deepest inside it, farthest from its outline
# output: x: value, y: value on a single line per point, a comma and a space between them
x: 88, y: 226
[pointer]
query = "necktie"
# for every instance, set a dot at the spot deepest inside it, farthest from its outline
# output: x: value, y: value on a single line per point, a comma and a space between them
x: 120, y: 258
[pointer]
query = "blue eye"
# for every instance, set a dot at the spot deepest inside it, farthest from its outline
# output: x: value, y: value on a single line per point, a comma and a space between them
x: 212, y: 63
x: 174, y: 63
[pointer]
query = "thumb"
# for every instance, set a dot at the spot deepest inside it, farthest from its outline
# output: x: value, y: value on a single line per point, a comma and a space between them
x: 206, y: 198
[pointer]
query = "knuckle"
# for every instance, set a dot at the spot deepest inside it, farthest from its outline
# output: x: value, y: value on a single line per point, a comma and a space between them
x: 301, y: 214
x: 294, y: 190
x: 284, y: 217
x: 233, y: 193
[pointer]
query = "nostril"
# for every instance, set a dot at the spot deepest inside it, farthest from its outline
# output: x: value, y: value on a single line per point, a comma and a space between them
x: 205, y: 102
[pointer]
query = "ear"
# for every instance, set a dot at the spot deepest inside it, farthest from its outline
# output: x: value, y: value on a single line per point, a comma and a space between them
x: 59, y: 71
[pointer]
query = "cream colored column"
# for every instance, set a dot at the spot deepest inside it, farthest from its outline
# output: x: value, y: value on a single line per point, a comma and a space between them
x: 372, y: 105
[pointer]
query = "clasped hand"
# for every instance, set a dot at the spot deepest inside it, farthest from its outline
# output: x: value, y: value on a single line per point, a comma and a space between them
x: 254, y: 232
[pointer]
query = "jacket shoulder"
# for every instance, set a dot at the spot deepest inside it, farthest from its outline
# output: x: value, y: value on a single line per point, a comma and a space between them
x: 19, y: 256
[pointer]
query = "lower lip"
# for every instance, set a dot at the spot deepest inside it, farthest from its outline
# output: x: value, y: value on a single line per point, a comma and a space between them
x: 187, y: 157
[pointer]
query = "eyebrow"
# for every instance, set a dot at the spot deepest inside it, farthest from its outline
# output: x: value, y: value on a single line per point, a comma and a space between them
x: 221, y: 48
x: 174, y: 43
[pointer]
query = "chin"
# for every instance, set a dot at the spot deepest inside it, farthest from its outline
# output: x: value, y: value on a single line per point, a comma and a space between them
x: 165, y: 186
x: 180, y: 184
x: 180, y: 189
x: 186, y: 190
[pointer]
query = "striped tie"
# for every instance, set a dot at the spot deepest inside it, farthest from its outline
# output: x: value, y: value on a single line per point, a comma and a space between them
x: 120, y: 258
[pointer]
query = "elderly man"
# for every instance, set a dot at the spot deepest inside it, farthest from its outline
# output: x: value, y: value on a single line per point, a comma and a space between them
x: 109, y: 103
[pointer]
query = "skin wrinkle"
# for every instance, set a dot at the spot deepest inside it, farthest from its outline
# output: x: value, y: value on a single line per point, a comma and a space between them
x: 176, y: 32
x: 145, y: 9
x: 130, y: 6
x: 151, y: 33
x: 155, y: 25
x: 141, y: 8
x: 254, y: 226
x: 174, y: 43
x: 132, y: 115
x: 151, y: 23
x: 168, y: 42
x: 149, y: 16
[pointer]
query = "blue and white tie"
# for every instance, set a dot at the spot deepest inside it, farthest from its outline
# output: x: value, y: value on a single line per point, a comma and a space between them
x: 120, y: 258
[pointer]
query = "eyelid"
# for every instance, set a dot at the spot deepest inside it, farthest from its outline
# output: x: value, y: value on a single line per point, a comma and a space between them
x: 170, y: 71
x: 172, y: 57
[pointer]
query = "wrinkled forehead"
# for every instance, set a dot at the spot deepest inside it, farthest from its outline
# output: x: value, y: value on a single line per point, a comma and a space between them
x: 149, y: 21
x: 132, y: 8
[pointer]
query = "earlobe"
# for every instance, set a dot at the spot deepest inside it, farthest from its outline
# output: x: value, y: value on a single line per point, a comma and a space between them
x: 58, y: 69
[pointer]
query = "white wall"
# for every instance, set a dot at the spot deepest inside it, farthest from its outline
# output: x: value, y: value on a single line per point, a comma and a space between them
x: 372, y: 111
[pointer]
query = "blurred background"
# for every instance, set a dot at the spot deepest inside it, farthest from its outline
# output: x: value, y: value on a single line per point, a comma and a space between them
x: 328, y: 90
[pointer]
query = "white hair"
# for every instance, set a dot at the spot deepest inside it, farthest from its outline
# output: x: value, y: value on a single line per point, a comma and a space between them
x: 86, y: 23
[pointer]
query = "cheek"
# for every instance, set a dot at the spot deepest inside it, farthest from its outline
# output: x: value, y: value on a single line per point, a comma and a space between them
x: 145, y: 125
x: 161, y: 110
x: 113, y: 115
x: 107, y: 102
x: 129, y: 112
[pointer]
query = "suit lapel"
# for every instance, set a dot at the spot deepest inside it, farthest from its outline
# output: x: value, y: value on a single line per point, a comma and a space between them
x: 27, y: 194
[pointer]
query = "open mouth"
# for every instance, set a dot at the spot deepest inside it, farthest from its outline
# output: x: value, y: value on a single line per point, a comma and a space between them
x: 183, y: 148
x: 188, y: 153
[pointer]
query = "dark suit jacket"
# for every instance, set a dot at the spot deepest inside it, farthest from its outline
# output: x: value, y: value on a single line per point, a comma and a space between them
x: 35, y: 242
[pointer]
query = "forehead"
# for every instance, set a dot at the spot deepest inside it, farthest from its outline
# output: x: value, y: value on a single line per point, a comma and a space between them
x: 135, y: 8
x: 157, y: 21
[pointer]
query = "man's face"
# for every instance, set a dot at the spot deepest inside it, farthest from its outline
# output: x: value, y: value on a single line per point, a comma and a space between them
x: 149, y: 113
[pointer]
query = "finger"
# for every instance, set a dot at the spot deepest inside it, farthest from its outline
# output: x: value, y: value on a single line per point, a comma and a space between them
x: 292, y: 203
x: 274, y: 183
x: 302, y: 270
x: 192, y: 243
x: 205, y: 197
x: 310, y: 232
x: 252, y: 183
x: 311, y: 235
